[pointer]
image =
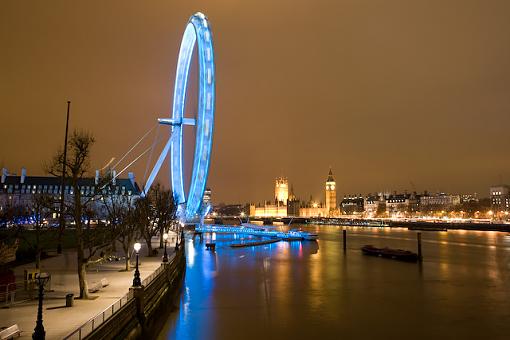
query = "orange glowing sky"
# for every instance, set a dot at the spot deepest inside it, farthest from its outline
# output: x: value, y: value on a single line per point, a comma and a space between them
x: 392, y: 94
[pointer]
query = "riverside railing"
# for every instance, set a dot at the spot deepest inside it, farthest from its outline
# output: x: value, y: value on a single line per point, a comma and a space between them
x: 100, y: 318
x: 93, y: 323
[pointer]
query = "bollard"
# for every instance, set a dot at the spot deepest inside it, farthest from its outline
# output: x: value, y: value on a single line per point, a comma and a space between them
x: 419, y: 246
x: 344, y: 232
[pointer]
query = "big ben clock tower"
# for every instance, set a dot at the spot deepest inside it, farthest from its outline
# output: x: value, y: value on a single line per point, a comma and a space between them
x: 330, y: 194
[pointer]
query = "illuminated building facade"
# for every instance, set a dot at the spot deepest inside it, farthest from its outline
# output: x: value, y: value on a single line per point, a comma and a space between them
x: 439, y: 201
x: 277, y: 208
x: 312, y: 209
x: 500, y: 198
x: 374, y: 205
x: 19, y: 192
x: 402, y: 204
x: 352, y: 205
x: 281, y: 190
x: 318, y: 209
x: 268, y: 210
x: 286, y: 204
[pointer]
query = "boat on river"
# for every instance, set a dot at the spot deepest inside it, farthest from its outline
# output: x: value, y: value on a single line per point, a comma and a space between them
x: 396, y: 254
x: 255, y: 243
x: 305, y: 235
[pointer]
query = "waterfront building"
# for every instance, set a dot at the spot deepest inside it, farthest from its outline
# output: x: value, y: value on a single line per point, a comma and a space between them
x: 19, y: 191
x: 439, y: 201
x: 352, y: 205
x: 469, y: 198
x: 293, y: 203
x: 374, y: 205
x: 268, y: 209
x: 402, y: 204
x: 500, y: 198
x: 278, y: 207
x: 313, y: 209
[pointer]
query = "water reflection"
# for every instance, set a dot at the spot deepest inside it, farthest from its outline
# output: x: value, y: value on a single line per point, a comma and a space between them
x: 315, y: 290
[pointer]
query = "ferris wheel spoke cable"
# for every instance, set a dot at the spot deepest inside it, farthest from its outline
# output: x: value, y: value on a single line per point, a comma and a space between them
x: 139, y: 156
x: 135, y: 145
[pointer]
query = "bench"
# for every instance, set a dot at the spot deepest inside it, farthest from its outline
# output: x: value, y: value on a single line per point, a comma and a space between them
x: 95, y: 287
x: 10, y: 332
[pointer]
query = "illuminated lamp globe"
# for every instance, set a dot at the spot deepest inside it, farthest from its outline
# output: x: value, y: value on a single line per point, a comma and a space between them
x: 137, y: 246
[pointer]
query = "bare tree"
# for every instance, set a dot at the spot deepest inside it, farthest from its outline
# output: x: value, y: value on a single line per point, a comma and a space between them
x: 129, y: 232
x: 38, y: 209
x: 143, y: 216
x: 121, y: 217
x: 164, y: 209
x: 77, y: 165
x: 154, y: 214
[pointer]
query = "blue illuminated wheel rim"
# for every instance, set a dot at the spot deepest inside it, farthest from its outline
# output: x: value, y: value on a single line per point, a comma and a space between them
x: 197, y: 29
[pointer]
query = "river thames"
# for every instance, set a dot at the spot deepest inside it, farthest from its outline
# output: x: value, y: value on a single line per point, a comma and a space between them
x: 313, y: 290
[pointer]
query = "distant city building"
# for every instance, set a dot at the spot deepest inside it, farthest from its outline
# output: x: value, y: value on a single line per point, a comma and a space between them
x: 500, y: 198
x: 352, y: 205
x: 229, y: 210
x: 293, y: 204
x: 401, y: 204
x: 439, y: 201
x: 469, y: 198
x: 207, y: 196
x: 374, y: 205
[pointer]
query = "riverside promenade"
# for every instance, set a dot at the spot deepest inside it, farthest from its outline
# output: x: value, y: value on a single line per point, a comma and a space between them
x: 59, y: 320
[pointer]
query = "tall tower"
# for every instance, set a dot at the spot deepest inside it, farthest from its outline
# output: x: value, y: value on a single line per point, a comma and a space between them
x: 330, y: 193
x: 281, y: 190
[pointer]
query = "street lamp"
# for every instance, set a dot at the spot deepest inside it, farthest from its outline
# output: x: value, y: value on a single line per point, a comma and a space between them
x: 180, y: 235
x: 39, y: 332
x: 136, y: 280
x: 165, y: 255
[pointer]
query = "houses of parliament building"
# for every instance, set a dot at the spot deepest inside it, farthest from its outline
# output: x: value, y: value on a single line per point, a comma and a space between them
x: 285, y: 203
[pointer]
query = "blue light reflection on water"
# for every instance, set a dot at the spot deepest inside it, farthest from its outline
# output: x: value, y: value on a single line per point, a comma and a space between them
x: 314, y: 290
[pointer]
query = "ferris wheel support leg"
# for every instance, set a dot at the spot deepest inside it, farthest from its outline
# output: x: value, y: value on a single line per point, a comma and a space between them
x: 157, y: 166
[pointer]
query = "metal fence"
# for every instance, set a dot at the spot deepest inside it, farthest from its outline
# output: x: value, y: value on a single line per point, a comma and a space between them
x: 96, y: 321
x: 8, y: 292
x: 148, y: 279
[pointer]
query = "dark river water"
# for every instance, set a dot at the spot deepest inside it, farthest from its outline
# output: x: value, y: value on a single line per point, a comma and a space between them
x: 313, y: 290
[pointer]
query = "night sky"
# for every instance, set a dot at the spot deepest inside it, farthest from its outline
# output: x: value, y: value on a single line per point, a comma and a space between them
x: 392, y: 95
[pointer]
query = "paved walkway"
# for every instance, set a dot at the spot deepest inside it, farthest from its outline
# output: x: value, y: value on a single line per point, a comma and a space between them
x: 59, y: 321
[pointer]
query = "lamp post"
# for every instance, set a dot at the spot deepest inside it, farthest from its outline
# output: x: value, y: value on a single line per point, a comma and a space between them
x: 136, y: 280
x: 179, y: 235
x: 165, y: 255
x: 39, y: 332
